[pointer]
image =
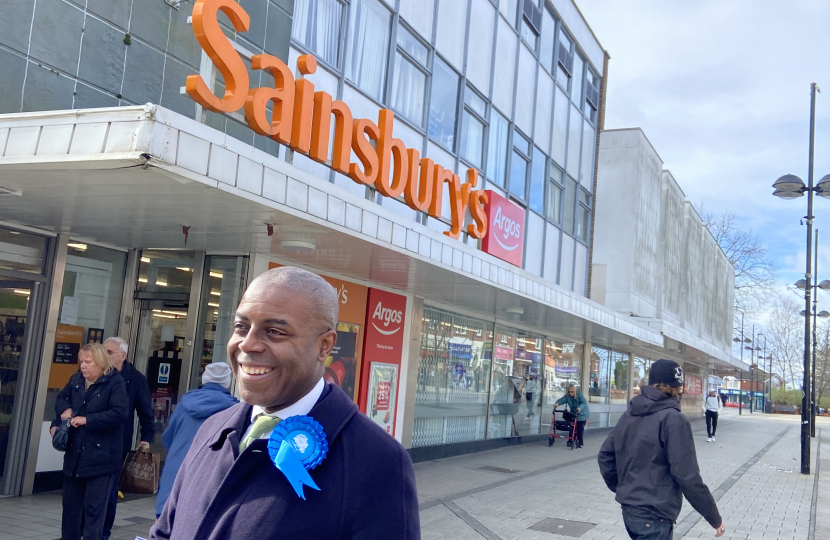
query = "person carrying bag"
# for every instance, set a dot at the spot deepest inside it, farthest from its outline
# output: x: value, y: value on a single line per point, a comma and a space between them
x: 92, y: 441
x: 140, y: 473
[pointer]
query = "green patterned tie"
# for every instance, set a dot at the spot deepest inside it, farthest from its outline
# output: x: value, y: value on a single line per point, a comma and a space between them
x: 262, y: 425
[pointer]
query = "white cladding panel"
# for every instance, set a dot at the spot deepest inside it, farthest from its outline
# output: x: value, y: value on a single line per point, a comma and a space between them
x: 661, y: 261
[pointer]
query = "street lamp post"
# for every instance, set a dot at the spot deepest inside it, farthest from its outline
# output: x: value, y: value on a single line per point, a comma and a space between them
x: 742, y: 340
x: 790, y: 186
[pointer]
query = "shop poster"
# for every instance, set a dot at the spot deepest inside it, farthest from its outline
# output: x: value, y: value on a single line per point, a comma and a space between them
x: 68, y: 341
x: 383, y: 384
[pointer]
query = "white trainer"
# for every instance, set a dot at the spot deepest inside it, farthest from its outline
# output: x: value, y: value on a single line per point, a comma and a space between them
x: 713, y: 438
x: 710, y: 439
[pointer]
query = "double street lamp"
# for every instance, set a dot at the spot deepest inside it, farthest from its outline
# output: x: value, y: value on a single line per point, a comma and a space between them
x: 824, y: 314
x: 790, y: 186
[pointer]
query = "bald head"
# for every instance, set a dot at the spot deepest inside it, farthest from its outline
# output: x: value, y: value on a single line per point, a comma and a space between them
x: 319, y: 297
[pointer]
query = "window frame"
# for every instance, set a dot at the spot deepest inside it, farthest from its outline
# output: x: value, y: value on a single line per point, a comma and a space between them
x: 458, y: 102
x: 485, y: 139
x: 426, y: 70
x: 561, y: 187
x: 342, y: 42
x: 560, y: 31
x: 386, y: 81
x: 585, y: 206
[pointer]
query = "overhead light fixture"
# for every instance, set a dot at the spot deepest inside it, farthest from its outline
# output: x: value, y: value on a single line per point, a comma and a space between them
x: 161, y: 283
x: 515, y: 310
x: 215, y: 293
x: 824, y: 187
x: 824, y: 314
x: 24, y: 292
x: 14, y: 232
x: 142, y: 280
x: 801, y: 284
x: 787, y: 194
x: 213, y: 304
x: 789, y: 183
x: 298, y: 245
x: 824, y: 285
x: 145, y: 260
x: 184, y: 269
x: 77, y: 245
x: 214, y: 273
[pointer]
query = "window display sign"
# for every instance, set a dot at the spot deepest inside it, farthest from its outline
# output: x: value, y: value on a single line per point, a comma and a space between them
x: 68, y: 341
x: 385, y: 323
x: 693, y: 386
x: 343, y: 365
x: 383, y: 383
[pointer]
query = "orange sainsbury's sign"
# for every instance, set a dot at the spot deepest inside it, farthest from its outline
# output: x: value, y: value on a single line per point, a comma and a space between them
x: 301, y: 119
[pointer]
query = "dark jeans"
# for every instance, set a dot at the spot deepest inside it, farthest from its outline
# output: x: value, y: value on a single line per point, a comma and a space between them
x: 112, y: 504
x: 85, y: 506
x: 640, y: 528
x: 580, y: 430
x: 711, y: 422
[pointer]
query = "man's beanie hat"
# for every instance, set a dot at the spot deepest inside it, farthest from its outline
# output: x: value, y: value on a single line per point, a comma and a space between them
x: 667, y: 372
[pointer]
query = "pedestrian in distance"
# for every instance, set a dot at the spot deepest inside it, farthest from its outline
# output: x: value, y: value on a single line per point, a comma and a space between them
x: 578, y: 405
x: 295, y: 458
x: 95, y: 399
x: 138, y: 402
x: 649, y: 460
x: 194, y: 408
x: 711, y: 408
x: 530, y: 391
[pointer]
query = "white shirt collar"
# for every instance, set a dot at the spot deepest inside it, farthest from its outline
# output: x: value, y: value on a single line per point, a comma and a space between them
x: 302, y: 407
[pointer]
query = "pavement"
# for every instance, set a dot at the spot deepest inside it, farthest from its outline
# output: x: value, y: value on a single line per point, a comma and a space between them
x: 531, y: 491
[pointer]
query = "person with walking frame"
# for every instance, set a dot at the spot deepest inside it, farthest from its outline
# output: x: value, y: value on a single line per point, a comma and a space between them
x: 578, y: 405
x: 711, y: 406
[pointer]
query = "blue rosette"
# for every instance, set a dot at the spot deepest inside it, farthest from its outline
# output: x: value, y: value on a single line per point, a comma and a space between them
x: 297, y: 445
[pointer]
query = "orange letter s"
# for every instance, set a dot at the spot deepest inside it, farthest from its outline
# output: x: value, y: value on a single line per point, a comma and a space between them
x: 221, y: 52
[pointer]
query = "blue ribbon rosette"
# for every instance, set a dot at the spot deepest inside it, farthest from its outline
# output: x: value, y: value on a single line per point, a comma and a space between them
x: 297, y: 445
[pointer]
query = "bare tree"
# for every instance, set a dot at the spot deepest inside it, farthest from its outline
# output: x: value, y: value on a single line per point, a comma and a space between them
x: 786, y: 333
x: 822, y: 361
x: 754, y: 270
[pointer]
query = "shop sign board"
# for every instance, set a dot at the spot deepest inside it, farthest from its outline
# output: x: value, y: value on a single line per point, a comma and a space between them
x: 504, y: 237
x: 385, y: 323
x: 302, y: 120
x: 68, y: 341
x: 693, y: 386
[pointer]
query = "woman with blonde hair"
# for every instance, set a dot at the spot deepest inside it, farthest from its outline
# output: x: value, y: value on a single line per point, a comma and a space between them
x: 95, y: 403
x: 578, y: 405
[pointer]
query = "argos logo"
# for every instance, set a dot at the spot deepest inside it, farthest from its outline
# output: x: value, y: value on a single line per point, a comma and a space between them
x: 506, y: 228
x: 387, y: 316
x: 505, y: 232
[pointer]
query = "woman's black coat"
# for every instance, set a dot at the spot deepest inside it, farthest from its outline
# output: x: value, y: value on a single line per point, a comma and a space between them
x: 96, y: 447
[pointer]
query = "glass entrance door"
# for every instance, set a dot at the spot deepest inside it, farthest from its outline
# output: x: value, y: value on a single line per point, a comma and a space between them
x: 14, y: 309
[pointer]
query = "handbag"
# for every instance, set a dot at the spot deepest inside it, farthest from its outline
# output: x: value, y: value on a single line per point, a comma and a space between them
x: 140, y: 473
x: 568, y: 416
x: 63, y: 436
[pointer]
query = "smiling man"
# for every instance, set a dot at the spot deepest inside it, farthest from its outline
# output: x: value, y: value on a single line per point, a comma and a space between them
x: 295, y: 459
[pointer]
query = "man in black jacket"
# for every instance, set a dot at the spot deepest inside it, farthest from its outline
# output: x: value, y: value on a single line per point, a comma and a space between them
x: 138, y: 401
x: 649, y: 460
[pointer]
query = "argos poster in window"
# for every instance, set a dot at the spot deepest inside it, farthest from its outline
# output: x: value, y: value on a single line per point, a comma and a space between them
x: 383, y: 383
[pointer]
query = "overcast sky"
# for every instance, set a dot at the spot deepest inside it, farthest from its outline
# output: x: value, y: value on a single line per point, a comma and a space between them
x: 722, y: 90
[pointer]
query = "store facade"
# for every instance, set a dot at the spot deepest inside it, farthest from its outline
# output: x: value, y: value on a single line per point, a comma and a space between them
x: 456, y: 231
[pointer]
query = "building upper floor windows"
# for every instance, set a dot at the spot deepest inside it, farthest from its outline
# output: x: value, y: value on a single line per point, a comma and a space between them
x: 367, y: 60
x: 564, y: 61
x: 317, y: 25
x: 420, y: 15
x: 473, y: 128
x: 443, y: 104
x: 409, y: 78
x: 497, y: 149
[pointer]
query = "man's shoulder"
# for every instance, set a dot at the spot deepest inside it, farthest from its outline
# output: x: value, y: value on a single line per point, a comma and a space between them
x: 375, y: 444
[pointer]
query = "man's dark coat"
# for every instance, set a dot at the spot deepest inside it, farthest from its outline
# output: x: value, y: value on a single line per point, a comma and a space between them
x: 138, y: 400
x: 367, y: 484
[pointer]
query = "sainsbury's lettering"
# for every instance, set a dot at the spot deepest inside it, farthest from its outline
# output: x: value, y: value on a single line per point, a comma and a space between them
x: 301, y: 118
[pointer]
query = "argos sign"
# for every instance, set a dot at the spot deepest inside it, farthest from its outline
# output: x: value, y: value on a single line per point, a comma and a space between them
x: 385, y: 321
x: 505, y: 230
x: 302, y: 119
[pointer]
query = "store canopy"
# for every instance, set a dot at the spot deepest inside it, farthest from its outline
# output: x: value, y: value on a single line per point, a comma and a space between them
x: 140, y: 177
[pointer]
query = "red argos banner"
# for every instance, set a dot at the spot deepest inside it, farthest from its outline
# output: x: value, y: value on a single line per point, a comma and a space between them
x: 505, y: 229
x: 382, y: 354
